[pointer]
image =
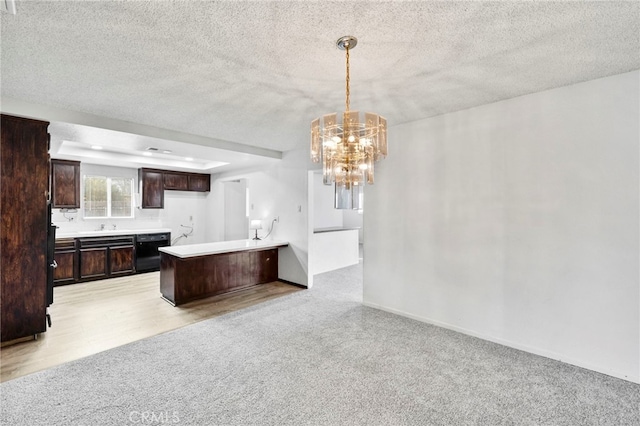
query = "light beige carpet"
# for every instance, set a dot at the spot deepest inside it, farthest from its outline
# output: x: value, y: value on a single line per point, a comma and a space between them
x: 318, y: 357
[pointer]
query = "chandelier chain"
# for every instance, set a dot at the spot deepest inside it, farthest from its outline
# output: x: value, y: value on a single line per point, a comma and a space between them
x: 348, y: 93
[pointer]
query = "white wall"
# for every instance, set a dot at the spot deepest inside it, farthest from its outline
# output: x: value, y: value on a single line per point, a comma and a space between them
x: 354, y: 219
x: 277, y: 191
x: 180, y: 208
x: 517, y: 222
x: 325, y: 215
x: 333, y: 250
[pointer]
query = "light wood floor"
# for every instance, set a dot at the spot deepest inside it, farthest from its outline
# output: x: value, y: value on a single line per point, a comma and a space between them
x: 92, y: 317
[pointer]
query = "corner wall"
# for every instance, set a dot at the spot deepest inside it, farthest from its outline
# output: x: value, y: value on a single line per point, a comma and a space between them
x: 517, y: 222
x: 279, y: 191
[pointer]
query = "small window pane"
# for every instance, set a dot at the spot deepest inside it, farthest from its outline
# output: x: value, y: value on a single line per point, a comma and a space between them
x: 121, y: 197
x: 95, y: 196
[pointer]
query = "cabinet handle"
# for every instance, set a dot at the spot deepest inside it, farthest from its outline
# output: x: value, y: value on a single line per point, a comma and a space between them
x: 54, y: 264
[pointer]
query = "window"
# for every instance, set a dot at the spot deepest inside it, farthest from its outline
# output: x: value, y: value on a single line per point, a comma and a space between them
x: 108, y: 197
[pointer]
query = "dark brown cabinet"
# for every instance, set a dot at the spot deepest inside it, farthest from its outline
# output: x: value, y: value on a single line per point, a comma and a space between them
x: 186, y: 279
x: 106, y: 257
x: 65, y: 184
x: 93, y: 263
x: 152, y: 188
x: 154, y: 182
x: 66, y: 257
x: 176, y: 181
x: 268, y: 265
x: 199, y: 182
x: 24, y: 189
x: 121, y: 260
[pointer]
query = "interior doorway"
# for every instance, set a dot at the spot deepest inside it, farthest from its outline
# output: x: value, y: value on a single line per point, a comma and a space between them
x: 236, y: 222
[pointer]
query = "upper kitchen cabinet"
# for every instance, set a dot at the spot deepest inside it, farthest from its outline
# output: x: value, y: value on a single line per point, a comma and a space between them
x: 65, y: 184
x: 176, y: 181
x: 154, y: 182
x: 199, y: 182
x: 152, y: 188
x: 24, y: 190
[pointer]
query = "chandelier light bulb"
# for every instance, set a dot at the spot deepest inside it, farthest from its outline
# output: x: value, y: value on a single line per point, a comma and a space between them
x: 330, y: 144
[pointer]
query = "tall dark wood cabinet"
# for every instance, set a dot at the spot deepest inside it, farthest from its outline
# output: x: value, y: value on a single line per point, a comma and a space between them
x: 24, y: 186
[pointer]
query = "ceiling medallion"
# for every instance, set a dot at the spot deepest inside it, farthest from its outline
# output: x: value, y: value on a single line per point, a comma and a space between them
x: 348, y: 147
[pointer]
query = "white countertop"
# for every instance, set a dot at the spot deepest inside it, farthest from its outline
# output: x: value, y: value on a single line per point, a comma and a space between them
x: 109, y: 233
x: 204, y: 249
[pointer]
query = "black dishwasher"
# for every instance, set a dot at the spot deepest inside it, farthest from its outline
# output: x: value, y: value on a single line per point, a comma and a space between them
x: 147, y: 254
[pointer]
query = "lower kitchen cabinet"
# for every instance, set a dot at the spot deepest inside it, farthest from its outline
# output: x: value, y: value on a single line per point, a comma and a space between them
x: 93, y: 263
x: 95, y: 258
x: 122, y: 260
x: 66, y: 258
x: 106, y: 257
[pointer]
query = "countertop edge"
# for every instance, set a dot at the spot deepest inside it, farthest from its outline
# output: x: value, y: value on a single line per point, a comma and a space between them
x: 323, y: 230
x: 206, y: 249
x: 117, y: 233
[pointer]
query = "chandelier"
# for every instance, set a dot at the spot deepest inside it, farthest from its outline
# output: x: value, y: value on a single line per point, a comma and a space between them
x: 348, y: 145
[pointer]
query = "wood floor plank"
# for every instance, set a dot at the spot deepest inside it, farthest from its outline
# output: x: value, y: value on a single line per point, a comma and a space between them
x: 96, y: 316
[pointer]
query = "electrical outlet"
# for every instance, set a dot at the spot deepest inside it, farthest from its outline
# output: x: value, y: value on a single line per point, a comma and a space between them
x: 190, y: 218
x: 277, y: 219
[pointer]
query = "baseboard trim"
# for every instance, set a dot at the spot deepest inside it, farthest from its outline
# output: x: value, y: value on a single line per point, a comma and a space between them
x: 292, y: 283
x: 19, y: 340
x: 536, y: 351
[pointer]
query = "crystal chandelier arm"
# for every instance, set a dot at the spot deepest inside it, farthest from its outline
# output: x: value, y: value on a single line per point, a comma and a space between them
x: 316, y: 148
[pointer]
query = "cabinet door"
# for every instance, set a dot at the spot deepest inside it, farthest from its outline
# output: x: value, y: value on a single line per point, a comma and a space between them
x: 66, y: 258
x: 268, y: 266
x: 176, y: 181
x: 65, y: 273
x: 121, y: 259
x: 152, y: 185
x: 199, y: 182
x: 93, y: 262
x: 24, y: 184
x: 65, y: 184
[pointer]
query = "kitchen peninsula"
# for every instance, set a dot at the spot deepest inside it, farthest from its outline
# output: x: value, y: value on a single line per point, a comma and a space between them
x: 196, y: 271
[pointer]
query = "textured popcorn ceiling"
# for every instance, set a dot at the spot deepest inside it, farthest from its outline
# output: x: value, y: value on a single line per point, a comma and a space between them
x: 258, y: 72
